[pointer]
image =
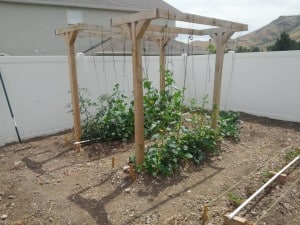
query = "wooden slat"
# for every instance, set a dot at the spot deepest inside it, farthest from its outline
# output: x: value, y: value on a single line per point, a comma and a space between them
x: 191, y: 18
x: 180, y: 30
x: 88, y: 28
x: 143, y: 15
x: 65, y: 30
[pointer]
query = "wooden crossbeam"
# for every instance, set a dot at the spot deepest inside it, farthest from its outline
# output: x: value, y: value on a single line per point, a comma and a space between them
x: 179, y: 30
x: 185, y: 17
x: 143, y: 15
x: 88, y: 28
x: 191, y: 18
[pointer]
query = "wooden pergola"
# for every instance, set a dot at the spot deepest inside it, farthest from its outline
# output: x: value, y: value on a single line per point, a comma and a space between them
x: 135, y: 26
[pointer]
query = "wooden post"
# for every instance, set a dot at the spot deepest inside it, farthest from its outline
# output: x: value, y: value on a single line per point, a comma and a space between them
x: 220, y: 39
x: 70, y: 40
x: 136, y: 30
x: 161, y: 43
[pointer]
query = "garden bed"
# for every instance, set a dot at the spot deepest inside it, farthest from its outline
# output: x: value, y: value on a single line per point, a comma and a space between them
x: 47, y: 182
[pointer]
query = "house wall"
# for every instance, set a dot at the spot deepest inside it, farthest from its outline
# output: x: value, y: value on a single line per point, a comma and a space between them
x: 28, y: 29
x: 263, y: 84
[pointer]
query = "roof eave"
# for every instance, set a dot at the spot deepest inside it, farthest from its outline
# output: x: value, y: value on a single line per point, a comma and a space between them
x: 51, y: 3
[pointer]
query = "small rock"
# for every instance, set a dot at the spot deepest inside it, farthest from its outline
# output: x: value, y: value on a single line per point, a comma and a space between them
x: 4, y: 217
x: 11, y: 197
x: 127, y: 190
x: 253, y: 213
x: 220, y: 158
x: 126, y: 169
x: 18, y: 163
x: 189, y: 191
x: 170, y: 195
x: 50, y: 219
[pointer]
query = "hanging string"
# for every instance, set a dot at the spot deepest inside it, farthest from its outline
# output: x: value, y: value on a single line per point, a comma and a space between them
x: 124, y: 67
x: 207, y: 73
x: 193, y: 73
x: 230, y: 79
x: 103, y: 61
x: 185, y: 68
x: 113, y: 57
x: 146, y: 55
x: 94, y: 64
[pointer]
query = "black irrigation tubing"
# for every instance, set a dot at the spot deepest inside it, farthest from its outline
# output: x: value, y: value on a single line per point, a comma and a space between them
x: 10, y: 109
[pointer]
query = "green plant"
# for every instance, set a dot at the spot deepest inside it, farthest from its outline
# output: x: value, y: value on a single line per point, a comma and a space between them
x: 177, y: 137
x: 165, y: 158
x: 289, y: 156
x: 228, y: 125
x: 266, y: 176
x: 162, y: 110
x: 113, y: 120
x: 234, y: 199
x: 211, y: 48
x: 192, y: 139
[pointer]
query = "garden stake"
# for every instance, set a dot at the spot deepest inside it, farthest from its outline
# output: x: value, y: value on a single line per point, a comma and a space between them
x: 132, y: 173
x: 205, y: 215
x: 113, y: 162
x: 10, y: 109
x: 77, y: 146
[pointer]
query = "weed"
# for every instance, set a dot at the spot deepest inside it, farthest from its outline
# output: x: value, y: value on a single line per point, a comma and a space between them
x: 266, y: 176
x: 234, y: 199
x: 291, y: 155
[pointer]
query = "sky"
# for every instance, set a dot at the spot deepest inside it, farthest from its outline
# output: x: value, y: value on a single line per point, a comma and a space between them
x: 255, y: 13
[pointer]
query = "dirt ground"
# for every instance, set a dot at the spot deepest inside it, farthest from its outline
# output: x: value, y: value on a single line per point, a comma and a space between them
x: 46, y: 182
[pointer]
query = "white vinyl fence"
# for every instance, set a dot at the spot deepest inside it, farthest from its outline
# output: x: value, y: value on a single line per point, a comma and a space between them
x: 263, y: 84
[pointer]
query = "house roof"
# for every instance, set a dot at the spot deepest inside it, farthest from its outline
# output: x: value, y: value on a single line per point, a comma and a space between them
x: 123, y: 5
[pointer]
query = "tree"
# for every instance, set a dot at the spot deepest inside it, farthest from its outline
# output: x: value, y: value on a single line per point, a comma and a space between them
x: 240, y: 49
x: 284, y: 43
x: 211, y: 48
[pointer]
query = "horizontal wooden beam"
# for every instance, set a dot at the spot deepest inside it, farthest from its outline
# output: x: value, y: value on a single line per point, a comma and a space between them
x: 143, y: 15
x: 191, y: 18
x: 177, y: 16
x: 89, y: 28
x: 179, y: 30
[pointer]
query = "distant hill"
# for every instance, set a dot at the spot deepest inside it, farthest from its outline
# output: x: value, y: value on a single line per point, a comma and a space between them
x: 264, y: 36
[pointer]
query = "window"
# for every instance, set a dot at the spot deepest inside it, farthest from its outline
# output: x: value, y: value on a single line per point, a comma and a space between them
x: 74, y: 16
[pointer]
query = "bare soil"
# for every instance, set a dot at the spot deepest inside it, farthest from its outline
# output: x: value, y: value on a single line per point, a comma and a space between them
x: 46, y: 182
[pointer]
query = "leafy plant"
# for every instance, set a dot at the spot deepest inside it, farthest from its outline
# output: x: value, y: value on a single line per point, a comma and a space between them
x: 162, y: 110
x: 165, y: 158
x: 177, y: 137
x: 234, y: 199
x: 228, y: 125
x: 113, y: 120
